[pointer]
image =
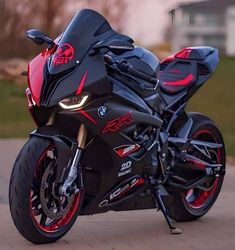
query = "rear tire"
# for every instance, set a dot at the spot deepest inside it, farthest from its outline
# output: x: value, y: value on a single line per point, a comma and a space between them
x: 180, y: 208
x: 22, y: 186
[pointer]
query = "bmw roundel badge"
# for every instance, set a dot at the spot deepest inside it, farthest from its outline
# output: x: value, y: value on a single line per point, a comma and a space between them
x: 102, y: 111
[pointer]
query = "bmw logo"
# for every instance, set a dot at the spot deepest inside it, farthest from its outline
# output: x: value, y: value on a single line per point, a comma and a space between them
x: 102, y: 111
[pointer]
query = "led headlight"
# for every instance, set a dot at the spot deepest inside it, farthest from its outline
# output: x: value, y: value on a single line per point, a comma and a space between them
x: 75, y: 102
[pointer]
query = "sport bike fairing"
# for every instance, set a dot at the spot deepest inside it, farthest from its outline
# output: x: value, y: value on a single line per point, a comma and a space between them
x: 127, y: 123
x: 70, y: 64
x: 113, y: 133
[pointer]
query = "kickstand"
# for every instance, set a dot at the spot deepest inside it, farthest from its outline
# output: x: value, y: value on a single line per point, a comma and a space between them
x: 160, y: 204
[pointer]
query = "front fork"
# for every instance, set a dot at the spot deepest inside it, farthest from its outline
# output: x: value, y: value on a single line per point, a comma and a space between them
x: 70, y: 185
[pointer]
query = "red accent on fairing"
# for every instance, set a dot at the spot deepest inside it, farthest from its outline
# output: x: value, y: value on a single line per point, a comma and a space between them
x: 202, y: 198
x: 64, y: 54
x: 117, y: 123
x: 84, y: 113
x: 35, y: 73
x: 184, y: 53
x: 125, y: 150
x: 81, y: 84
x: 35, y: 76
x: 141, y: 181
x: 182, y: 82
x: 138, y: 182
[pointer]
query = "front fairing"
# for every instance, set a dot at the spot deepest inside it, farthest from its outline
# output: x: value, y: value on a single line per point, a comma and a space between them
x: 90, y: 76
x: 71, y: 64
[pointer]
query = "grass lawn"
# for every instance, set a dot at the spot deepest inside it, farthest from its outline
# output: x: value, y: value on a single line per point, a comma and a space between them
x: 216, y: 99
x: 15, y: 120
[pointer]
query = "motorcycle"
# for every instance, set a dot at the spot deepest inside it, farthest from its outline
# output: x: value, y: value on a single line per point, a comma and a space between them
x: 112, y: 132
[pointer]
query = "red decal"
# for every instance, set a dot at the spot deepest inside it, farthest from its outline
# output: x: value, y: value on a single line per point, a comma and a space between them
x: 117, y: 123
x: 141, y: 181
x: 125, y: 150
x: 84, y: 113
x: 121, y: 191
x: 181, y: 82
x: 35, y: 75
x: 184, y: 53
x: 81, y: 84
x: 64, y: 54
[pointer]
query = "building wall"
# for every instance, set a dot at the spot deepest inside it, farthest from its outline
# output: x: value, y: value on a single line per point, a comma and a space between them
x: 199, y: 28
x: 230, y: 31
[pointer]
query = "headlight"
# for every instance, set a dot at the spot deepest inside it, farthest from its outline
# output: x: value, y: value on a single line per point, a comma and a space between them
x: 75, y: 102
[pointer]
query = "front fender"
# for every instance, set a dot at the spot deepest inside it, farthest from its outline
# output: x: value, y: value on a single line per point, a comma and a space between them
x: 65, y: 148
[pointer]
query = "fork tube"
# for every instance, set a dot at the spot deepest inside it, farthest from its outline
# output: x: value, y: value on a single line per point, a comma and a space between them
x: 81, y: 137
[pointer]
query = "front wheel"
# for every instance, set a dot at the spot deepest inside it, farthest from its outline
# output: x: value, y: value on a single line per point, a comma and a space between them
x: 39, y: 214
x: 194, y: 203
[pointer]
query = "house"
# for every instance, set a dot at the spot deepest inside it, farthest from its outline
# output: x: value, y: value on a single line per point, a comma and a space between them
x: 210, y: 22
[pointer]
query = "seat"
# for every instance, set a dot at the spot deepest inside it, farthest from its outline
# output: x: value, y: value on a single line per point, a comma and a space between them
x: 187, y: 67
x: 177, y: 77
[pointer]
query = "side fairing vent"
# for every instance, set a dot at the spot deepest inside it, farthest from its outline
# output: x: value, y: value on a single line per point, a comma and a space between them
x: 203, y: 69
x: 164, y: 65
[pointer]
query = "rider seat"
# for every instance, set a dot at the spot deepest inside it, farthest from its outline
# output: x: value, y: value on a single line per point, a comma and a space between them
x: 187, y: 67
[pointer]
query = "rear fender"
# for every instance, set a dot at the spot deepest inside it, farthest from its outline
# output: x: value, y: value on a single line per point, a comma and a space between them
x: 182, y: 140
x: 183, y: 124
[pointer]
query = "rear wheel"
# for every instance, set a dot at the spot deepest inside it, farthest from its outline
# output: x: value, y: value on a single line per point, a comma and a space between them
x: 194, y: 203
x: 39, y: 214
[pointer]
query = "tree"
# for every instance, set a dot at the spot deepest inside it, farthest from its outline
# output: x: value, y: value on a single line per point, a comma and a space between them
x: 50, y: 16
x: 18, y: 16
x: 113, y: 10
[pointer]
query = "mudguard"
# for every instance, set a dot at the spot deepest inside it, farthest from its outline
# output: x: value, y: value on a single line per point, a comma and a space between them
x: 65, y: 148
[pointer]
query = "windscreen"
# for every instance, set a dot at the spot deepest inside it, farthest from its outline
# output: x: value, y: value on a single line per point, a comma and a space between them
x: 86, y: 29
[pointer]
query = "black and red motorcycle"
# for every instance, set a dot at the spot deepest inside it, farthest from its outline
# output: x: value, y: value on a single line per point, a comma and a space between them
x: 113, y: 133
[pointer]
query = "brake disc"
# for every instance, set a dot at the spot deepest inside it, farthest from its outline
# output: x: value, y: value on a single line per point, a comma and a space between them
x: 55, y: 207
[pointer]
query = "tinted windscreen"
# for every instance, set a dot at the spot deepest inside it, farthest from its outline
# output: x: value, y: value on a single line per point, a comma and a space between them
x: 86, y: 28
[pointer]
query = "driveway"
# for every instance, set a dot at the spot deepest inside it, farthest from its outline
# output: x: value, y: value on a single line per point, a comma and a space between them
x: 145, y: 230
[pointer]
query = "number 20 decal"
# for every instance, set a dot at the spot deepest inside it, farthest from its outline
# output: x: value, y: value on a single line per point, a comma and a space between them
x: 125, y: 165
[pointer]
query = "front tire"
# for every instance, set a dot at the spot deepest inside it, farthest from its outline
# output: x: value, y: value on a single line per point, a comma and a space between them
x: 37, y: 214
x: 193, y: 204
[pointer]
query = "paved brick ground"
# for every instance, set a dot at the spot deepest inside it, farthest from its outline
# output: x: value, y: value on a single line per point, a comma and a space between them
x: 144, y: 229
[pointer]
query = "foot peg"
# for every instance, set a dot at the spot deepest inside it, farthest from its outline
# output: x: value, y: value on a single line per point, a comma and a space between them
x: 160, y: 204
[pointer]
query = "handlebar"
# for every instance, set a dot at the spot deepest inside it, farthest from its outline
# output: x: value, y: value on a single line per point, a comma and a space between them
x: 127, y: 68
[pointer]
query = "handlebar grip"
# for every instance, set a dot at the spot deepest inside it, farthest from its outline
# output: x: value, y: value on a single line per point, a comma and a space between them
x: 124, y: 66
x: 108, y: 59
x: 130, y: 69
